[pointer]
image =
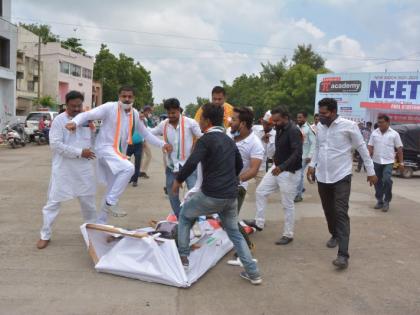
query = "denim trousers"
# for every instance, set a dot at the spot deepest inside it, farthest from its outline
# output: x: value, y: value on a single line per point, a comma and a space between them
x: 383, y: 188
x: 174, y: 199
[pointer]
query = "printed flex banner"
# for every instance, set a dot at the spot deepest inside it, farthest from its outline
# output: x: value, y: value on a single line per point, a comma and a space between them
x: 362, y: 96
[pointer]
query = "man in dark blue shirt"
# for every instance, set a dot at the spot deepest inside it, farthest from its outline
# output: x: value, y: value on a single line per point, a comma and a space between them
x: 221, y: 163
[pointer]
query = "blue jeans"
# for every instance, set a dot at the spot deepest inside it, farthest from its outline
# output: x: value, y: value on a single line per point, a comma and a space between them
x: 383, y: 187
x: 302, y: 176
x: 174, y: 199
x: 227, y: 209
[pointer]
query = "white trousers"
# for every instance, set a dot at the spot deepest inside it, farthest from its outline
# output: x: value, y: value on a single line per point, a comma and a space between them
x: 287, y: 182
x: 52, y: 208
x: 115, y: 186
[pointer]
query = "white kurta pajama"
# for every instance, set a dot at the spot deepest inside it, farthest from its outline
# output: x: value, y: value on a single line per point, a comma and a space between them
x: 114, y: 169
x: 71, y: 175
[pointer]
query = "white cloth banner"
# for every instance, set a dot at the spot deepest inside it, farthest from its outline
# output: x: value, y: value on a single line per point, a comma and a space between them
x: 153, y: 259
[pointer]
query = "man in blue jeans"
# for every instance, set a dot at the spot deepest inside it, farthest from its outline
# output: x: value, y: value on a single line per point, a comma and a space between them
x: 382, y: 144
x: 180, y: 132
x: 221, y: 163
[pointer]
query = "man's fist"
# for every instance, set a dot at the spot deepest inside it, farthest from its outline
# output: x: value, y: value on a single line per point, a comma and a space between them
x: 372, y: 180
x: 167, y: 148
x: 88, y: 154
x: 310, y: 175
x: 71, y: 126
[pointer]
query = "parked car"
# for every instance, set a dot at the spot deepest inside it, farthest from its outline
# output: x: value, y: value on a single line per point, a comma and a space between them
x: 32, y: 121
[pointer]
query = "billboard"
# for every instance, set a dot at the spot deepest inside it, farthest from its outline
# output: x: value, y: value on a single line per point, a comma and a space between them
x: 362, y: 96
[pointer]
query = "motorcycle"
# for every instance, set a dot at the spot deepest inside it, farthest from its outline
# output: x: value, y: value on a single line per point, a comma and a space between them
x: 15, y: 136
x: 40, y: 138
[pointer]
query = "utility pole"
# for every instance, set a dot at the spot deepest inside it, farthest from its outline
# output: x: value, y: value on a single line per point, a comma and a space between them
x: 39, y: 67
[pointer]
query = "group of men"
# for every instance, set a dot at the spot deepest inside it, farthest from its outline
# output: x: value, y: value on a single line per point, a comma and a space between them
x: 216, y: 155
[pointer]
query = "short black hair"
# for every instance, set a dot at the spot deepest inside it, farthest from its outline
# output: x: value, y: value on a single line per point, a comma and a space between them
x: 280, y: 110
x: 329, y: 103
x: 171, y: 103
x: 384, y: 117
x: 127, y: 88
x: 316, y: 115
x: 304, y: 114
x: 246, y: 115
x: 369, y: 123
x: 213, y: 113
x: 217, y: 90
x: 72, y: 95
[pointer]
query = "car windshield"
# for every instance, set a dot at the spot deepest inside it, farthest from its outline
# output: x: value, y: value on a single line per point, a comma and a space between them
x: 35, y: 116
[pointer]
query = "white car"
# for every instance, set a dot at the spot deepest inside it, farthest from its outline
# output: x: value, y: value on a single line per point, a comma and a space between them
x: 33, y: 118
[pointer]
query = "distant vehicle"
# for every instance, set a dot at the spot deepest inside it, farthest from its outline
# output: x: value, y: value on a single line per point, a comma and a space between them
x: 15, y: 135
x: 410, y: 137
x: 32, y: 121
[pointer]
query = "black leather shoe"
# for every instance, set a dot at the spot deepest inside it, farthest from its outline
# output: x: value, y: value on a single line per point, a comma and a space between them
x: 332, y: 242
x: 341, y: 262
x: 379, y: 205
x: 135, y: 184
x: 284, y: 240
x: 253, y: 224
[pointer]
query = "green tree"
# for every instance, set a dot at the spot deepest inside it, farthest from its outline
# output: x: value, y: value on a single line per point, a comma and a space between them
x: 304, y: 55
x: 47, y: 101
x: 191, y: 109
x: 114, y: 72
x: 43, y: 31
x: 74, y: 45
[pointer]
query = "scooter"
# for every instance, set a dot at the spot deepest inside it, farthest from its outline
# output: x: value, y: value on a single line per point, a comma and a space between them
x: 14, y: 138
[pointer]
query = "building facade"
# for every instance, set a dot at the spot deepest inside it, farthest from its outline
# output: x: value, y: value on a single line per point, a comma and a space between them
x: 8, y: 43
x: 28, y: 76
x: 96, y: 94
x: 63, y: 71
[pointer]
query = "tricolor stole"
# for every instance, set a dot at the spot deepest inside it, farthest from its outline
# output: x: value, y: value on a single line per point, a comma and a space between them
x: 117, y: 138
x: 181, y: 137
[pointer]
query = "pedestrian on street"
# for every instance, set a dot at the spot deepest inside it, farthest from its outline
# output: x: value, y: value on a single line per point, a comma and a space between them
x: 72, y: 170
x: 382, y: 145
x: 284, y: 174
x: 221, y: 165
x: 333, y: 160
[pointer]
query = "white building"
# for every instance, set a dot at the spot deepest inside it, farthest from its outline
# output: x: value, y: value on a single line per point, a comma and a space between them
x: 63, y: 71
x: 8, y: 43
x: 27, y: 75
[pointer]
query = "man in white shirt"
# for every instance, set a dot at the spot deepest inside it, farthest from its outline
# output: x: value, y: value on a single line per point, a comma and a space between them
x: 308, y: 149
x: 382, y: 145
x: 179, y: 131
x: 119, y: 123
x: 316, y: 121
x: 267, y: 135
x: 72, y: 172
x: 251, y: 150
x: 333, y: 160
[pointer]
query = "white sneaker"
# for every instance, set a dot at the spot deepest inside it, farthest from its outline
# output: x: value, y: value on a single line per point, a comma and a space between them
x: 237, y: 262
x: 255, y: 280
x: 115, y: 211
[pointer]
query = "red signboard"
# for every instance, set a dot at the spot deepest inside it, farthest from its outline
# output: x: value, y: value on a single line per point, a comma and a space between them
x: 391, y: 106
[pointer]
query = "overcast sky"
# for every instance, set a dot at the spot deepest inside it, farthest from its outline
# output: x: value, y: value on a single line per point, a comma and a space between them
x: 189, y: 46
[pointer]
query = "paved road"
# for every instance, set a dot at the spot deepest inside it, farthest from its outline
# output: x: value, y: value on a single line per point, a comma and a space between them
x: 383, y: 277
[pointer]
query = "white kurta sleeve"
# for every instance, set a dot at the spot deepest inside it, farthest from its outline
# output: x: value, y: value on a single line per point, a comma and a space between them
x: 148, y: 136
x: 360, y: 145
x: 98, y: 113
x: 57, y: 142
x: 158, y: 130
x: 314, y: 159
x: 195, y: 128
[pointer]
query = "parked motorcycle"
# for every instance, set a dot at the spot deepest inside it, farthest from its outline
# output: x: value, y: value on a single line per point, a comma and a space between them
x: 15, y: 135
x: 40, y: 138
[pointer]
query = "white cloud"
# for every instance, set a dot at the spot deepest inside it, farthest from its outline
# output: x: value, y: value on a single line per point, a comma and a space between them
x: 310, y: 28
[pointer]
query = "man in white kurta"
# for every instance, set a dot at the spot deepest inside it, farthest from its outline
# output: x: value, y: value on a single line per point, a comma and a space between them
x: 72, y: 173
x: 120, y: 121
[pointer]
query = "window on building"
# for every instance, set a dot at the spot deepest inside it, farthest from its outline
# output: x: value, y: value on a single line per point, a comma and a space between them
x: 75, y: 71
x: 31, y: 86
x: 87, y: 73
x: 4, y: 52
x: 64, y: 67
x: 19, y: 75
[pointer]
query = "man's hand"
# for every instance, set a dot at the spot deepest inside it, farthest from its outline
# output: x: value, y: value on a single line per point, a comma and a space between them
x: 308, y: 160
x: 310, y: 174
x: 372, y: 180
x: 266, y: 138
x: 276, y: 171
x: 167, y: 148
x: 88, y: 154
x: 71, y: 126
x: 176, y: 186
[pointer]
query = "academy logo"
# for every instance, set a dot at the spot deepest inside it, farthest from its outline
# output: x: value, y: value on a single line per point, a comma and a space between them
x: 335, y: 85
